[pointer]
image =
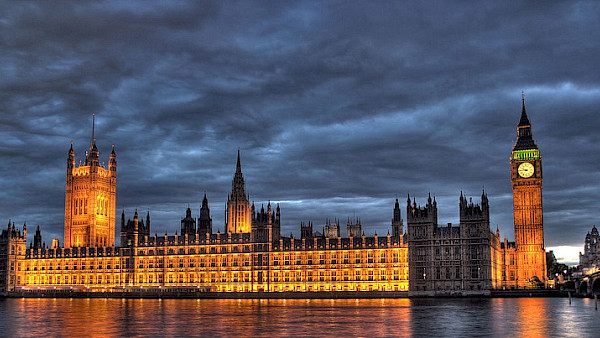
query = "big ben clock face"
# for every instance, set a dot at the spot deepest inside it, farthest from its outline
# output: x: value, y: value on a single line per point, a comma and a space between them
x: 526, y: 170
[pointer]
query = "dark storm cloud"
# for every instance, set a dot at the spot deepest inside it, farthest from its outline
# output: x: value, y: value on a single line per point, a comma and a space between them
x: 337, y: 107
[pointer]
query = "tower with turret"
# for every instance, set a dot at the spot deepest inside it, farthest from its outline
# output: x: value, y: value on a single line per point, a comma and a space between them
x: 12, y: 253
x: 476, y: 251
x: 397, y: 223
x: 266, y: 225
x: 421, y: 223
x: 188, y: 224
x: 134, y: 230
x: 204, y: 221
x: 90, y: 201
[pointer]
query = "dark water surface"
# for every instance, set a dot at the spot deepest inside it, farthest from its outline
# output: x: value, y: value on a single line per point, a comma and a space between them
x: 520, y: 317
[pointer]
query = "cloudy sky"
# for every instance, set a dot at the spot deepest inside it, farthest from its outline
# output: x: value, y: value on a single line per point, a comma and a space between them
x: 337, y: 107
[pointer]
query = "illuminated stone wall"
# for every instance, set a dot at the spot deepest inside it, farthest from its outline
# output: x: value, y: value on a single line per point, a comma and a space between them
x: 225, y: 265
x: 90, y: 201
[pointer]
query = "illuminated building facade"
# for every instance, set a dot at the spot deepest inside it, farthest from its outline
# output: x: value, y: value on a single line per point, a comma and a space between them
x: 253, y: 256
x: 90, y: 200
x: 259, y: 259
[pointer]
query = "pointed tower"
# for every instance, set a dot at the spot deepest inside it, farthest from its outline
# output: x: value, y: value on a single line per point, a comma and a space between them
x: 188, y: 224
x: 526, y: 177
x: 205, y: 221
x: 37, y: 239
x: 90, y: 199
x: 238, y: 206
x: 146, y: 230
x: 397, y: 223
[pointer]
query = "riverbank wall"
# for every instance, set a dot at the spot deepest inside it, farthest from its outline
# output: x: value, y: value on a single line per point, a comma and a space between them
x: 201, y: 294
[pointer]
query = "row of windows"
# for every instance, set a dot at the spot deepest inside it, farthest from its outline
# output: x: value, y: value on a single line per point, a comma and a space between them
x: 73, y: 267
x: 103, y: 207
x: 222, y: 277
x: 192, y: 251
x: 73, y: 280
x: 453, y: 273
x: 303, y: 258
x: 80, y: 206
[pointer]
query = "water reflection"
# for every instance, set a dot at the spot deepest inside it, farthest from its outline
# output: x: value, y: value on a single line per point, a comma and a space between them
x: 525, y: 317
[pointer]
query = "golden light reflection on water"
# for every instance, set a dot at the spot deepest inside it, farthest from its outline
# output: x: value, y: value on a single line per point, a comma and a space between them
x: 525, y: 317
x: 531, y: 318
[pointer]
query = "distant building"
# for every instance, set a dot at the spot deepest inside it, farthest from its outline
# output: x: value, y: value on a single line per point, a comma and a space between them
x: 589, y: 260
x: 354, y: 228
x: 332, y: 229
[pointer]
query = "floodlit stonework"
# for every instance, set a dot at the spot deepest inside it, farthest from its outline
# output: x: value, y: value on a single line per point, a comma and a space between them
x: 253, y: 256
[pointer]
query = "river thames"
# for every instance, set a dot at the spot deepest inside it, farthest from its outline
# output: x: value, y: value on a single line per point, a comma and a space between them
x: 506, y: 317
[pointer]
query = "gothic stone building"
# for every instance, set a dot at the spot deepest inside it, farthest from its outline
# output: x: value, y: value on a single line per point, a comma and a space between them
x: 12, y: 257
x: 252, y: 255
x: 469, y: 258
x: 452, y: 260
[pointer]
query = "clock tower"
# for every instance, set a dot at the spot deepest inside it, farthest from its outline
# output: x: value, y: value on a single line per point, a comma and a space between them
x: 526, y: 178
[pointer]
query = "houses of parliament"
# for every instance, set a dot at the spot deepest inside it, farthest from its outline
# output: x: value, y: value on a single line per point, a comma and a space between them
x: 251, y: 255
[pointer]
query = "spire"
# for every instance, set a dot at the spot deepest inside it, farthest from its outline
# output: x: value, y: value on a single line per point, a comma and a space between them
x: 93, y: 129
x: 205, y: 215
x: 237, y: 185
x: 71, y: 158
x: 524, y: 120
x: 92, y: 155
x: 524, y: 136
